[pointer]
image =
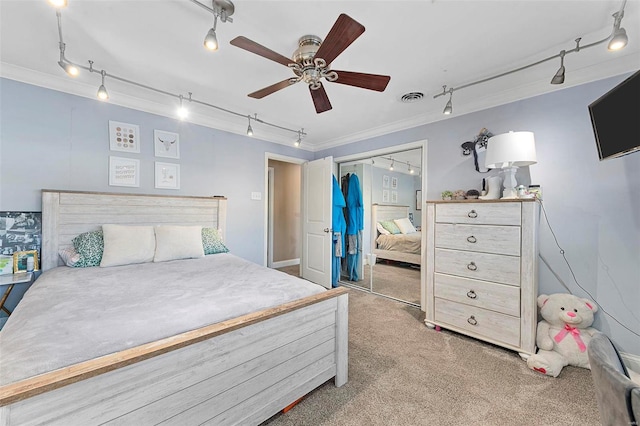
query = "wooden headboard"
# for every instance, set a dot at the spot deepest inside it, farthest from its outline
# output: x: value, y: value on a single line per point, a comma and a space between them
x: 380, y: 212
x: 65, y: 214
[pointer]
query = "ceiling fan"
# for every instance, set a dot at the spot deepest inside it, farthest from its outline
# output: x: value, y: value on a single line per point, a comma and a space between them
x: 310, y: 63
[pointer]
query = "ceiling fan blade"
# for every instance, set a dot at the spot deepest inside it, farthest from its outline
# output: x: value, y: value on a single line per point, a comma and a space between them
x: 344, y: 32
x: 320, y: 99
x: 259, y: 94
x: 366, y: 81
x: 258, y: 49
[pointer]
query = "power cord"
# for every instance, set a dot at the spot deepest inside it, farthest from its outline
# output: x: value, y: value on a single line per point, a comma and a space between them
x: 562, y: 252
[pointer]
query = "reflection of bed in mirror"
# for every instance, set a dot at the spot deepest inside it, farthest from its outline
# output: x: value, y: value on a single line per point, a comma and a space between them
x: 396, y: 247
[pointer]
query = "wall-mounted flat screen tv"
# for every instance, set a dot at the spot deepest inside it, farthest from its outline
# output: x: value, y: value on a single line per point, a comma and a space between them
x: 615, y: 118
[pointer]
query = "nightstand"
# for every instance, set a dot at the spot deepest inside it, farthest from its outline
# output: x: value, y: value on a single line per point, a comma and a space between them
x: 10, y: 281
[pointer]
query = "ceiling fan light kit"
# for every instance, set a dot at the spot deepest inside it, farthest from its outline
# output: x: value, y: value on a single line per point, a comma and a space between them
x: 222, y: 9
x: 311, y: 62
x: 617, y: 40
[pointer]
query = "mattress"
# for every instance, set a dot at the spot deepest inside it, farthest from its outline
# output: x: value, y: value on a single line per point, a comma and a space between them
x: 70, y: 315
x: 406, y: 243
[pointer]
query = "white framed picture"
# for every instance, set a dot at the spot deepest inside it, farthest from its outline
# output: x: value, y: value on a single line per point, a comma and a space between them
x: 166, y: 144
x: 394, y: 197
x: 124, y: 137
x: 385, y: 195
x: 385, y: 181
x: 124, y: 172
x: 167, y: 175
x: 394, y: 183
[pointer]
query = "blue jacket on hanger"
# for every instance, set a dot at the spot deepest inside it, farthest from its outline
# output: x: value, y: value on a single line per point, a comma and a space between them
x: 339, y: 228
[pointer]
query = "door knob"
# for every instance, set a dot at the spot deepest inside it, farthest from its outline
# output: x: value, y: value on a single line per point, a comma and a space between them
x: 328, y: 230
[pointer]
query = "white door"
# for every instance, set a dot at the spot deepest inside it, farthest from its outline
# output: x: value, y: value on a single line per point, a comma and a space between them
x: 317, y: 187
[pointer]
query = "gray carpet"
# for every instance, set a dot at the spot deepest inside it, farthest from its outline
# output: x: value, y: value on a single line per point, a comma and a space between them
x: 402, y: 373
x: 398, y: 280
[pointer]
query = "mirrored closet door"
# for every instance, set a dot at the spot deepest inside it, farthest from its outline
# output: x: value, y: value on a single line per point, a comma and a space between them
x: 390, y: 257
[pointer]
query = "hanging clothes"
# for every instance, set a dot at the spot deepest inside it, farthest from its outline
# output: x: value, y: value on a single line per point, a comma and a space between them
x: 339, y: 226
x: 355, y: 225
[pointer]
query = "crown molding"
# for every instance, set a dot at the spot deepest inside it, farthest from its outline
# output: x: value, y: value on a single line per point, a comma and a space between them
x: 74, y: 87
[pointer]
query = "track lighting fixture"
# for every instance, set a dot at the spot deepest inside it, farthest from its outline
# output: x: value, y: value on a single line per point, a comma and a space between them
x: 617, y: 40
x: 183, y: 112
x: 299, y: 140
x: 211, y: 40
x: 102, y: 91
x: 222, y: 9
x: 391, y: 166
x: 58, y: 3
x: 409, y: 168
x: 249, y: 129
x: 559, y: 77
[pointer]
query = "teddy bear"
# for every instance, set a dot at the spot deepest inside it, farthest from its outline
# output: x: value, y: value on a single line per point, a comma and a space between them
x: 563, y: 334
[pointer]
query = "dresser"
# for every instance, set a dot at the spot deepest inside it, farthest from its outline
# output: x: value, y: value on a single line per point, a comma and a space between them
x: 482, y: 271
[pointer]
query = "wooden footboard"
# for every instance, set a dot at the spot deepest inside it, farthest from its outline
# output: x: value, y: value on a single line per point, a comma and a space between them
x: 242, y: 370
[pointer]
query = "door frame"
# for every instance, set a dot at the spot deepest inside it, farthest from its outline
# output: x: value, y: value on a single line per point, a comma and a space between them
x: 286, y: 159
x: 423, y: 212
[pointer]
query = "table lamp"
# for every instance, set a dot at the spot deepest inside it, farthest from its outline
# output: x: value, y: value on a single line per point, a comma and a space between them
x: 508, y: 151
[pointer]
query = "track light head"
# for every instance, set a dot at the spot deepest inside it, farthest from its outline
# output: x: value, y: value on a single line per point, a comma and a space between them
x: 249, y: 129
x: 448, y: 109
x: 299, y: 140
x: 102, y: 93
x: 183, y: 112
x: 619, y: 39
x: 58, y: 3
x: 392, y: 163
x: 211, y: 40
x: 69, y: 69
x: 559, y: 77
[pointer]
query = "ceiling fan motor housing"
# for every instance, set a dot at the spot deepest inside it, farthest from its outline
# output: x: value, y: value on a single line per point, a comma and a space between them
x: 308, y: 45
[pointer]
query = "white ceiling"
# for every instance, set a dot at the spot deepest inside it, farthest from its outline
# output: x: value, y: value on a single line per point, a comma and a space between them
x: 422, y: 45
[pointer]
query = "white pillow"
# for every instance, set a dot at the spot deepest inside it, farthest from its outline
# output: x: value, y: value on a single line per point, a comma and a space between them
x: 124, y: 245
x: 178, y: 242
x: 405, y: 225
x: 382, y: 230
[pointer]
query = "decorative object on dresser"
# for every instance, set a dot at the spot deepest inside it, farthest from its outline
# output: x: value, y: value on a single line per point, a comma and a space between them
x: 481, y: 277
x: 447, y: 195
x: 494, y: 189
x: 509, y: 151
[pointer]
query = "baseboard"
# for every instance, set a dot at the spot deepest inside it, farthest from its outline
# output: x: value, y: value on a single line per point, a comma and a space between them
x: 631, y: 361
x: 283, y: 263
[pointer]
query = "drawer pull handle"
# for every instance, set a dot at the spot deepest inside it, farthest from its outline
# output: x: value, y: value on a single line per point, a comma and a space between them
x: 472, y: 320
x: 472, y: 214
x: 472, y: 239
x: 471, y: 294
x: 472, y: 266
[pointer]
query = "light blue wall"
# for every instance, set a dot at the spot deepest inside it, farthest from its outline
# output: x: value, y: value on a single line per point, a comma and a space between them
x: 53, y: 140
x: 593, y: 206
x: 407, y: 186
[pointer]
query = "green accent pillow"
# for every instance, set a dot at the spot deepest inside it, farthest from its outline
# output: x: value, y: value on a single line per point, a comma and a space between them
x: 89, y: 246
x: 211, y: 242
x: 390, y: 226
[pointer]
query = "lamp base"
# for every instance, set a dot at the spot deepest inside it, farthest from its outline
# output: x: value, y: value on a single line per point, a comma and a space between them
x: 509, y: 192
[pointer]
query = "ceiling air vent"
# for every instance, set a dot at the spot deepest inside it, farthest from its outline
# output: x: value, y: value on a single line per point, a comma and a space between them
x: 412, y: 97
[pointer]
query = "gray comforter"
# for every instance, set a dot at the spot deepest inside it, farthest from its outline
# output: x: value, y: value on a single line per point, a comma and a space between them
x: 71, y: 315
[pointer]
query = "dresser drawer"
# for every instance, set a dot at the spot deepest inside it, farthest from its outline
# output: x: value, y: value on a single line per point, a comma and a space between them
x: 483, y: 238
x: 479, y: 213
x: 489, y: 267
x: 479, y: 322
x: 482, y: 294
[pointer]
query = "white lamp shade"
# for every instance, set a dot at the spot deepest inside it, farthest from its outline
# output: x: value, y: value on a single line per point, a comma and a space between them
x: 511, y: 149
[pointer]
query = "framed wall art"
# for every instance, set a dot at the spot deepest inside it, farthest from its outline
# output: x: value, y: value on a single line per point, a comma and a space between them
x: 394, y: 197
x: 124, y: 172
x: 167, y: 175
x: 20, y: 231
x: 385, y: 181
x: 21, y: 261
x: 166, y: 144
x: 419, y: 199
x: 385, y: 195
x: 124, y: 137
x: 394, y: 183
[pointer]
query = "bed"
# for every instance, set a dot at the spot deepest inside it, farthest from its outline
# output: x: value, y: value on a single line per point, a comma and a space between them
x: 234, y: 366
x: 398, y: 247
